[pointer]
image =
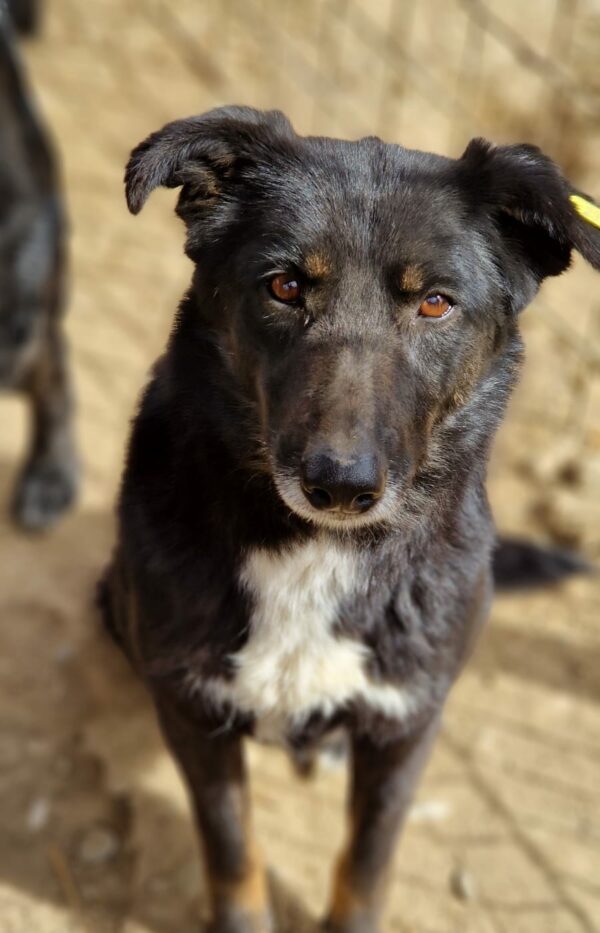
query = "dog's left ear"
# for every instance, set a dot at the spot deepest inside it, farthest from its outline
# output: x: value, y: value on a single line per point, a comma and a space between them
x: 540, y: 215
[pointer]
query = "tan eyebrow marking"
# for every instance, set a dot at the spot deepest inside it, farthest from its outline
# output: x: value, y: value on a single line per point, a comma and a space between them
x: 412, y: 279
x: 317, y: 265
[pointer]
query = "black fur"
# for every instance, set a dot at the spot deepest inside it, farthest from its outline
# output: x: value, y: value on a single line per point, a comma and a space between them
x: 25, y: 15
x: 33, y: 357
x: 247, y: 387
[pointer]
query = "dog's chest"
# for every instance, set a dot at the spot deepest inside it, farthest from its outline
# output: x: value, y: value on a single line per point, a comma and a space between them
x: 296, y: 662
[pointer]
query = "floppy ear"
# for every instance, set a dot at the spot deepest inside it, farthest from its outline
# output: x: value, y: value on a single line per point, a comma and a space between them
x: 539, y: 213
x: 201, y: 153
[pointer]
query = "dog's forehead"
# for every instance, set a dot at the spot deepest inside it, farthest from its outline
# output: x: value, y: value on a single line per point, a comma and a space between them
x: 366, y: 197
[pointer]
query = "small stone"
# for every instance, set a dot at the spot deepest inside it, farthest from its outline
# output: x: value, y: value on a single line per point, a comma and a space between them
x: 99, y: 845
x: 462, y: 884
x: 64, y: 653
x: 569, y: 519
x: 430, y: 811
x: 35, y: 747
x: 38, y: 815
x: 556, y: 463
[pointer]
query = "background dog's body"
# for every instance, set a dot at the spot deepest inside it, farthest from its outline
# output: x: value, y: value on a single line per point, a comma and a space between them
x: 32, y: 273
x: 25, y: 15
x: 305, y: 540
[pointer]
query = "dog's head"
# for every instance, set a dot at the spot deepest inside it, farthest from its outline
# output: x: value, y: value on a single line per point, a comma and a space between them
x: 364, y: 296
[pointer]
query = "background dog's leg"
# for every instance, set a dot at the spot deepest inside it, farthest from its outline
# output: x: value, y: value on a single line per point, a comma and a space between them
x: 48, y: 483
x: 214, y: 768
x: 382, y: 785
x: 26, y: 14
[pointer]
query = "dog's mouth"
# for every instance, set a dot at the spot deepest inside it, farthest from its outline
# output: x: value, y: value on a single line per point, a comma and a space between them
x: 290, y: 489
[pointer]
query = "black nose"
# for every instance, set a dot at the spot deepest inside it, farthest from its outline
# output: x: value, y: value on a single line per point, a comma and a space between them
x: 342, y: 485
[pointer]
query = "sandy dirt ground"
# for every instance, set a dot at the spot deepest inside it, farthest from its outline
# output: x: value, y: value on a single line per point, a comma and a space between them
x: 95, y: 833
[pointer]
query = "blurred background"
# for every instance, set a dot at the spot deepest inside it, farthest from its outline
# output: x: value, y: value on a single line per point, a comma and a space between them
x: 505, y: 834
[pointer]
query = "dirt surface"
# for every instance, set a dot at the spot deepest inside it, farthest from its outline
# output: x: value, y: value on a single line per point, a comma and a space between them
x: 505, y: 834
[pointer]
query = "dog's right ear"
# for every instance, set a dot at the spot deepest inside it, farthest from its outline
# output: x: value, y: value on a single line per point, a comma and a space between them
x: 201, y: 153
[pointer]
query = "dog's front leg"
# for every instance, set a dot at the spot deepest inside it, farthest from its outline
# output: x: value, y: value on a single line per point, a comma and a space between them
x: 215, y: 772
x: 382, y: 785
x: 48, y: 483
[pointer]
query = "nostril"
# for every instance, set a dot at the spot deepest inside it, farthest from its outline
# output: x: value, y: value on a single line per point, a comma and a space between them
x: 364, y: 501
x: 319, y: 498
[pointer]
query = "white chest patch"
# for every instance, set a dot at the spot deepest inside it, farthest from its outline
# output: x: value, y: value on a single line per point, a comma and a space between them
x: 294, y: 663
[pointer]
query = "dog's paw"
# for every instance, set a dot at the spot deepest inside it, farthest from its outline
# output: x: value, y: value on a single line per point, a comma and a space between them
x: 44, y: 492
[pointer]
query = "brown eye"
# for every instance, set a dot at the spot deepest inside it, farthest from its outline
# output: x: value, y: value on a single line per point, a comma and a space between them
x: 285, y: 288
x: 435, y: 306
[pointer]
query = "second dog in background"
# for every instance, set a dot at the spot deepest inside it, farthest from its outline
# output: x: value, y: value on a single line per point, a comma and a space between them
x: 33, y: 358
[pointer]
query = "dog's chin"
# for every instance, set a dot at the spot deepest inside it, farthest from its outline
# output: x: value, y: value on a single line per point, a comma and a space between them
x: 291, y: 493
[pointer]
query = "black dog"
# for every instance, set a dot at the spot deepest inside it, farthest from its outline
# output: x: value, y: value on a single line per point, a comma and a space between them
x: 305, y: 540
x: 32, y: 272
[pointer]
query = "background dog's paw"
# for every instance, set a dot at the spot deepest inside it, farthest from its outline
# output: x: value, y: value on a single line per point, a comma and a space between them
x: 44, y: 492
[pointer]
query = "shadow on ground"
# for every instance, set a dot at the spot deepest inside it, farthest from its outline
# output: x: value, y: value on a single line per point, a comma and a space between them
x: 77, y: 733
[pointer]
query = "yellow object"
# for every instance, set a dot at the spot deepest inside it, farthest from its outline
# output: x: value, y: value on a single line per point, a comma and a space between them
x: 589, y: 211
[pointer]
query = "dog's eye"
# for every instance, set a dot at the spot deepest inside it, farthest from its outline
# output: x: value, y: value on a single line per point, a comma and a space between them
x: 435, y: 306
x: 285, y: 288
